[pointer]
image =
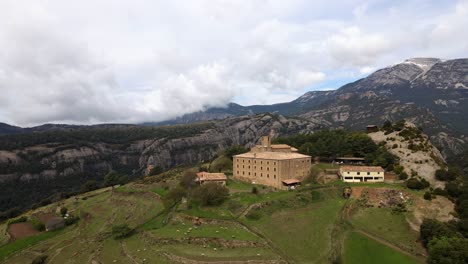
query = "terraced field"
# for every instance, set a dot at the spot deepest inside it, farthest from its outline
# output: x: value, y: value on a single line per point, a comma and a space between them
x: 302, y: 226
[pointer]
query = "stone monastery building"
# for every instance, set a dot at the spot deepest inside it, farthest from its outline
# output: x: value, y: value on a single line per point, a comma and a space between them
x: 277, y: 165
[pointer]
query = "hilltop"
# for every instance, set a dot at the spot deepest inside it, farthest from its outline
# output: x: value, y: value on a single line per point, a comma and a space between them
x: 159, y: 219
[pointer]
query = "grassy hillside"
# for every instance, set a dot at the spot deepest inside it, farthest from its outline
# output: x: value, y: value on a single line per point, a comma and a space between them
x: 309, y: 225
x: 361, y: 249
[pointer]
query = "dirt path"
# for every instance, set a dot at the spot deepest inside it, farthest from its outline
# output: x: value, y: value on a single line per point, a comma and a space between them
x: 269, y: 242
x: 248, y: 209
x: 345, y: 216
x: 125, y: 252
x: 385, y: 242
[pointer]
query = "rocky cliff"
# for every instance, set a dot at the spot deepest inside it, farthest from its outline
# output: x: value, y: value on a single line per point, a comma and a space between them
x: 429, y: 92
x: 64, y: 161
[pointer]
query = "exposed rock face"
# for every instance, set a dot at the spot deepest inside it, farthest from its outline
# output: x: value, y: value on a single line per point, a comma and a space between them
x: 424, y: 162
x: 98, y: 158
x: 429, y: 92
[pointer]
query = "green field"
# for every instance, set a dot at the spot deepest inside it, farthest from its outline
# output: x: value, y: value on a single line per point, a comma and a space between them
x: 360, y: 249
x: 26, y: 242
x: 388, y: 225
x: 304, y: 234
x: 303, y: 226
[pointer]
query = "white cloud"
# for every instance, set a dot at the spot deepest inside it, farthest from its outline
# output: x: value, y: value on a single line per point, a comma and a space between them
x: 353, y: 46
x: 134, y: 61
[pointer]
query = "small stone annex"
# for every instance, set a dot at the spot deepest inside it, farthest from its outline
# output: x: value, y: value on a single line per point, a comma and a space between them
x: 205, y: 177
x: 276, y: 165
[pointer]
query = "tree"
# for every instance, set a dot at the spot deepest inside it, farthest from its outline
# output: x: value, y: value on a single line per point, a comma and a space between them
x: 416, y: 184
x: 90, y: 185
x: 431, y: 228
x: 254, y: 190
x: 403, y: 176
x: 427, y: 196
x: 235, y: 150
x: 121, y: 231
x: 221, y: 163
x: 111, y: 178
x: 63, y: 211
x: 387, y: 125
x: 174, y: 196
x: 210, y: 194
x: 448, y: 250
x: 188, y: 179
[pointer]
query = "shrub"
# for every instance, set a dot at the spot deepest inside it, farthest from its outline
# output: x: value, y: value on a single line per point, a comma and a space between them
x: 220, y: 164
x: 414, y: 183
x: 254, y: 190
x: 253, y: 215
x: 38, y: 225
x: 174, y: 196
x: 63, y: 211
x: 403, y: 176
x: 210, y: 194
x: 439, y: 191
x: 395, y: 146
x: 427, y: 196
x: 17, y: 220
x: 121, y: 231
x: 41, y: 259
x: 188, y: 179
x: 70, y: 220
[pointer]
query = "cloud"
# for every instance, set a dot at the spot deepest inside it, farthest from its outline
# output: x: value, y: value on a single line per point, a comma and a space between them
x: 117, y: 61
x: 353, y: 46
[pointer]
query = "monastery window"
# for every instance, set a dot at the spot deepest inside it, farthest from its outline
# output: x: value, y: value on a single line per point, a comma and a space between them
x: 261, y: 168
x: 378, y: 172
x: 348, y: 172
x: 274, y: 176
x: 268, y: 162
x: 358, y: 173
x: 255, y: 174
x: 237, y: 172
x: 368, y: 173
x: 243, y: 173
x: 261, y: 162
x: 237, y: 165
x: 274, y: 163
x: 274, y: 169
x: 243, y: 166
x: 268, y: 168
x: 255, y: 167
x: 268, y: 175
x: 249, y: 167
x: 249, y: 173
x: 249, y: 161
x: 261, y: 174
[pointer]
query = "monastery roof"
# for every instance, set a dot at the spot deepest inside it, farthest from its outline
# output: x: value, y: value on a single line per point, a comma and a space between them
x: 206, y: 176
x: 362, y: 168
x: 272, y: 155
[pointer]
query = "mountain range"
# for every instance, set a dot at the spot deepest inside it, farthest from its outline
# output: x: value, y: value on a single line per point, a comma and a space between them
x: 430, y: 92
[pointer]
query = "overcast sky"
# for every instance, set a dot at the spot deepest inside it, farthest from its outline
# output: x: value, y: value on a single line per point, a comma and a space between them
x: 99, y: 61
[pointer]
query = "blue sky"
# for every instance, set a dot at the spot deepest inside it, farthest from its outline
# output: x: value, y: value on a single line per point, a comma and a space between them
x: 102, y: 61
